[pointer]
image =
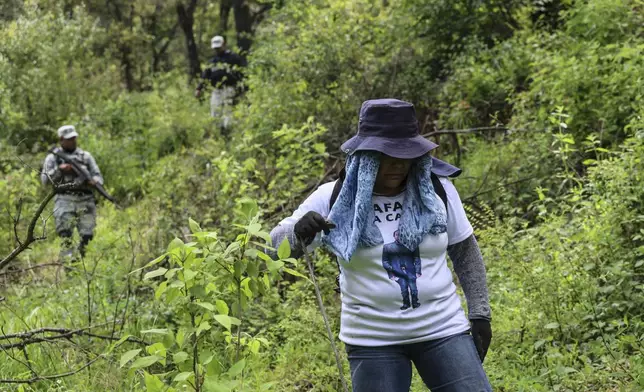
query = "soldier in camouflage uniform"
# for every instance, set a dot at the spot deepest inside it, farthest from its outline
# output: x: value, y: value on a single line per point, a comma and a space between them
x: 74, y: 207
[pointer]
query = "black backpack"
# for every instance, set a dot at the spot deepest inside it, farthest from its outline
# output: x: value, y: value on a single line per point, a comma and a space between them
x: 439, y: 169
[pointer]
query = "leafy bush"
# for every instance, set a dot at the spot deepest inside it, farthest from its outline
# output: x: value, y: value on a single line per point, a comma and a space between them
x: 46, y: 61
x: 568, y: 291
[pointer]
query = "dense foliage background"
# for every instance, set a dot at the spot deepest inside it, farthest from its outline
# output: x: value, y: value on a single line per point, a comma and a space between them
x: 540, y: 101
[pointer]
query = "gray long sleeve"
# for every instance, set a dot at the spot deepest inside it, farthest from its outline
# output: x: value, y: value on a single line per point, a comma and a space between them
x: 281, y: 232
x: 470, y: 269
x: 50, y: 171
x: 93, y: 168
x: 318, y: 201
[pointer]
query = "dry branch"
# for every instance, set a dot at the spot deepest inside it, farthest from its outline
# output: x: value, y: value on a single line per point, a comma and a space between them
x: 32, y: 337
x: 31, y: 238
x: 50, y: 377
x: 496, y: 188
x: 468, y: 130
x: 33, y: 267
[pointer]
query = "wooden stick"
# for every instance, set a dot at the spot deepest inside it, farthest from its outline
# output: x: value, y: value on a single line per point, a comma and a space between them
x: 318, y: 295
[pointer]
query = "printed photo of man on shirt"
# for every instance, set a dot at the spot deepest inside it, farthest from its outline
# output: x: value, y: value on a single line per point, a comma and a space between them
x: 403, y: 266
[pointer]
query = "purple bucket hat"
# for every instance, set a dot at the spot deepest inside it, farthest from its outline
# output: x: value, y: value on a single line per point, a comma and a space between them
x: 389, y: 126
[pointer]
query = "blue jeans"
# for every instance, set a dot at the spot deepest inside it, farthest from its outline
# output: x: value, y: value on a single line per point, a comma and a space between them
x: 446, y: 365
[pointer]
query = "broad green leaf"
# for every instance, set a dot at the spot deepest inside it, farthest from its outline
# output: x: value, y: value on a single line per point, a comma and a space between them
x: 153, y: 383
x: 118, y: 343
x: 240, y: 268
x: 161, y: 289
x: 194, y: 226
x: 254, y: 228
x: 274, y: 266
x: 156, y: 349
x: 245, y: 287
x: 180, y: 357
x: 204, y: 326
x: 155, y: 273
x: 213, y: 367
x: 237, y: 368
x: 252, y: 268
x: 266, y: 280
x: 284, y: 251
x: 182, y: 334
x: 294, y: 273
x: 169, y: 339
x: 264, y: 256
x: 150, y: 264
x: 291, y: 261
x: 189, y: 275
x: 248, y: 207
x: 223, y: 320
x: 175, y: 243
x: 251, y: 253
x: 216, y: 385
x: 156, y: 261
x: 176, y: 284
x: 182, y: 376
x: 127, y: 357
x: 160, y: 331
x: 222, y: 307
x: 264, y: 235
x: 145, y: 362
x: 551, y: 326
x: 205, y: 358
x: 235, y: 321
x: 588, y: 162
x: 254, y: 347
x: 234, y: 246
x: 207, y: 305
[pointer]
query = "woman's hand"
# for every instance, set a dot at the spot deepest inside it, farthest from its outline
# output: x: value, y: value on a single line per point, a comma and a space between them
x: 482, y: 334
x: 310, y: 225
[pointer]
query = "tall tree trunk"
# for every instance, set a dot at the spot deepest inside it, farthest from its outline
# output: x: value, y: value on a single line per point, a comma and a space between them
x: 243, y: 24
x: 126, y: 66
x: 187, y: 20
x: 224, y: 15
x: 124, y: 48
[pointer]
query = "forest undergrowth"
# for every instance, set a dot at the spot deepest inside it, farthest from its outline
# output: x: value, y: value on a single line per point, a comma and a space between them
x: 540, y: 102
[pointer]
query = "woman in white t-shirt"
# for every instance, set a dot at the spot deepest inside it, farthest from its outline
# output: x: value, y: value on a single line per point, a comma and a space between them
x: 394, y: 218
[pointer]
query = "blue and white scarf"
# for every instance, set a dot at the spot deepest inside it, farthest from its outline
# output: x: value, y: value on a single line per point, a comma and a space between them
x: 353, y: 213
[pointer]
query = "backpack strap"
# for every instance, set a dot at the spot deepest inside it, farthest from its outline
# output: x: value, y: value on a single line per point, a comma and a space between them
x: 439, y: 188
x: 337, y: 188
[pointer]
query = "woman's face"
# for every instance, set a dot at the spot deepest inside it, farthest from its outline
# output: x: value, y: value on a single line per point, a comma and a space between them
x: 392, y: 172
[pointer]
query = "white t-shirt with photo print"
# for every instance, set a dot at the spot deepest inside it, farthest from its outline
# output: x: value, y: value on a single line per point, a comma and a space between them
x: 389, y: 294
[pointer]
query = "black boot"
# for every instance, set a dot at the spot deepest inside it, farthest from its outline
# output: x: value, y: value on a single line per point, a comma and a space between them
x: 66, y: 252
x: 414, y: 300
x: 406, y: 304
x: 83, y: 243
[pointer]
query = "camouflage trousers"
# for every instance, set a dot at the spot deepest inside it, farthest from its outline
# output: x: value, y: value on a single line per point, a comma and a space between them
x: 71, y: 211
x: 221, y: 105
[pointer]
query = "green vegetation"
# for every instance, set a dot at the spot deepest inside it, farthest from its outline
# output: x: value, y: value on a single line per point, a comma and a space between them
x: 546, y: 96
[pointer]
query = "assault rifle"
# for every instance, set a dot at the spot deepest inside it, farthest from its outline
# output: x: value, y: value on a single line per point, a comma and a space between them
x: 83, y: 174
